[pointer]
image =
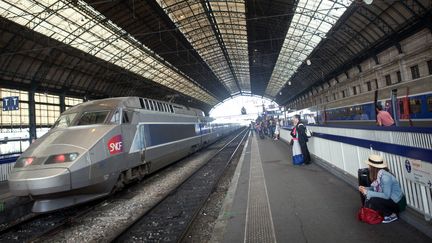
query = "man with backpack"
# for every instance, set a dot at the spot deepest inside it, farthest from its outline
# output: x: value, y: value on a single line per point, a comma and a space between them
x: 298, y: 133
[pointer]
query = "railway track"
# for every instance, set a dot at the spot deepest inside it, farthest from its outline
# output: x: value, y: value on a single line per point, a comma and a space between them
x: 39, y: 227
x: 170, y: 219
x: 36, y: 226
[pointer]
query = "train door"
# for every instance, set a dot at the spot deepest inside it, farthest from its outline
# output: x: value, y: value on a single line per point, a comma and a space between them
x: 201, y: 133
x: 128, y: 131
x: 142, y: 144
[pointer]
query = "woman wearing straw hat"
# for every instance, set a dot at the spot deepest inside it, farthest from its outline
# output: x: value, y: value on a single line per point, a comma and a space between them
x: 385, y: 194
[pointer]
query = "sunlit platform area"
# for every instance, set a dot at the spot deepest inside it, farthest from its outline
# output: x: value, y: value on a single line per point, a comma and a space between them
x: 271, y: 200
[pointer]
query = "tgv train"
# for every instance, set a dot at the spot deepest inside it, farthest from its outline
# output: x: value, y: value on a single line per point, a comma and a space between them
x: 96, y: 147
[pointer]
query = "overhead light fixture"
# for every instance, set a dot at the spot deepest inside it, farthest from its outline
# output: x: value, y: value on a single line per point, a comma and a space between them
x: 289, y: 82
x: 368, y: 2
x: 308, y: 62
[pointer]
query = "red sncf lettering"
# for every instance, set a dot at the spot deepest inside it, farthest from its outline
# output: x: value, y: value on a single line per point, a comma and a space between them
x: 115, y: 145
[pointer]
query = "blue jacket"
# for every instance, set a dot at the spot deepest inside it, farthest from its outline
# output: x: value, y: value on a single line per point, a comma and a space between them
x: 390, y: 188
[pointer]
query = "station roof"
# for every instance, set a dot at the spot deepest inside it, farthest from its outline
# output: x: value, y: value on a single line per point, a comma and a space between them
x: 195, y: 52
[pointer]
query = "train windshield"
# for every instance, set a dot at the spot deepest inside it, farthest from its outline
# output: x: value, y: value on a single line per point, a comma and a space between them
x: 92, y: 117
x: 65, y: 120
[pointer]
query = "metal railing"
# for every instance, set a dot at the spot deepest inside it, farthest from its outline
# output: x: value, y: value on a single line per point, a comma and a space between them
x: 350, y: 156
x: 10, y: 150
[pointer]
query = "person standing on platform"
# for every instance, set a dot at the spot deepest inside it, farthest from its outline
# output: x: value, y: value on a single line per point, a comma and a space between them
x: 385, y: 194
x: 383, y: 117
x: 299, y: 139
x: 277, y: 129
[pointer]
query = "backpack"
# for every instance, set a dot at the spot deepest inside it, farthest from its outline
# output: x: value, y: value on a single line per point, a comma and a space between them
x: 308, y: 132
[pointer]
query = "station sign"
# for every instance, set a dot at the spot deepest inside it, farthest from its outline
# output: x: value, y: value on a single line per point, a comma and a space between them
x: 10, y: 103
x: 419, y: 172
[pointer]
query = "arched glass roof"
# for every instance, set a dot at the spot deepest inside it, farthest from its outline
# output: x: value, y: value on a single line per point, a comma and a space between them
x: 80, y: 26
x: 217, y: 31
x: 196, y: 52
x: 311, y: 22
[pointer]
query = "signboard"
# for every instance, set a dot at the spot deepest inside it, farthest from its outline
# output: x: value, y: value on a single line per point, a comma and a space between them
x: 418, y: 171
x: 10, y: 103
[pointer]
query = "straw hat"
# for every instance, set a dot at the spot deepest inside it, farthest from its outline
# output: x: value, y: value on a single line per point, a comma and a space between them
x: 376, y: 161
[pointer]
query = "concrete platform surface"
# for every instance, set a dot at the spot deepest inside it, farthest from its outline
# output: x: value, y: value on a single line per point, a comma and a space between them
x: 275, y: 201
x: 4, y: 187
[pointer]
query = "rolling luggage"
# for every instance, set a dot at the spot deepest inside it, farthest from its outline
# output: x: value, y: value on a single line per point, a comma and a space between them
x: 363, y: 180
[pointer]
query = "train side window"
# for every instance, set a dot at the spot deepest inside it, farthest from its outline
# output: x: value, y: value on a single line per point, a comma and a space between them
x: 401, y: 107
x: 159, y: 106
x: 415, y: 106
x: 429, y: 103
x: 165, y: 107
x: 116, y: 117
x: 155, y: 105
x: 141, y: 103
x: 147, y: 106
x: 171, y: 109
x: 125, y: 118
x: 151, y: 105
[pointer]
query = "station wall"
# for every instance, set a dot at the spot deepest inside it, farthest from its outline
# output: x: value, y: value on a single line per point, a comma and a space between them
x: 392, y: 68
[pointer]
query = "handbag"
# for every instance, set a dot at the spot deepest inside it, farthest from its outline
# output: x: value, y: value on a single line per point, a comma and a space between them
x: 369, y: 216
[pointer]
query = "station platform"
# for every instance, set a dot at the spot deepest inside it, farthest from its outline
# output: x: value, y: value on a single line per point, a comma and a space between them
x: 271, y: 200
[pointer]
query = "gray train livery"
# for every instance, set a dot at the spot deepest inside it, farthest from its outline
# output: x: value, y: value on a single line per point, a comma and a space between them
x: 96, y: 147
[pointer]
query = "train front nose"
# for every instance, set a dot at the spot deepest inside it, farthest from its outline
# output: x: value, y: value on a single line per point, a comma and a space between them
x: 45, y: 172
x: 39, y: 181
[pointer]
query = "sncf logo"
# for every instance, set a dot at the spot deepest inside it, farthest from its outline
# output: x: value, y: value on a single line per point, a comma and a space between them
x: 115, y: 145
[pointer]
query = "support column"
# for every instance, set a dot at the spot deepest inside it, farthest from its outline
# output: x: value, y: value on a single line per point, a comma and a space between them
x: 403, y: 69
x: 32, y: 112
x: 62, y: 102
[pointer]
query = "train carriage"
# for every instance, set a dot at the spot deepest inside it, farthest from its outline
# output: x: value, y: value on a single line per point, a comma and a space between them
x: 96, y: 147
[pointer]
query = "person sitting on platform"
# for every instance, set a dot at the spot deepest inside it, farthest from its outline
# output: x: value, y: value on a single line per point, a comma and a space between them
x: 383, y: 117
x: 385, y: 194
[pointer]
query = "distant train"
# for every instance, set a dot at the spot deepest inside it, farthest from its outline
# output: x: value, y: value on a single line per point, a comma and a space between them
x: 413, y: 101
x: 414, y: 109
x: 96, y: 147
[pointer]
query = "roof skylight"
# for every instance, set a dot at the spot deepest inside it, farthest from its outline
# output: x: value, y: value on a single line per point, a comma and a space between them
x: 194, y: 19
x: 311, y: 22
x: 76, y: 24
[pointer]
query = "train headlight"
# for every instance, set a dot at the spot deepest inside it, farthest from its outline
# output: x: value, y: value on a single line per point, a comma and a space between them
x: 61, y: 158
x: 23, y: 162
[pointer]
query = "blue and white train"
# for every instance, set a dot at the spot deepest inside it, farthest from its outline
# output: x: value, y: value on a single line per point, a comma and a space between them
x: 96, y: 147
x: 411, y: 110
